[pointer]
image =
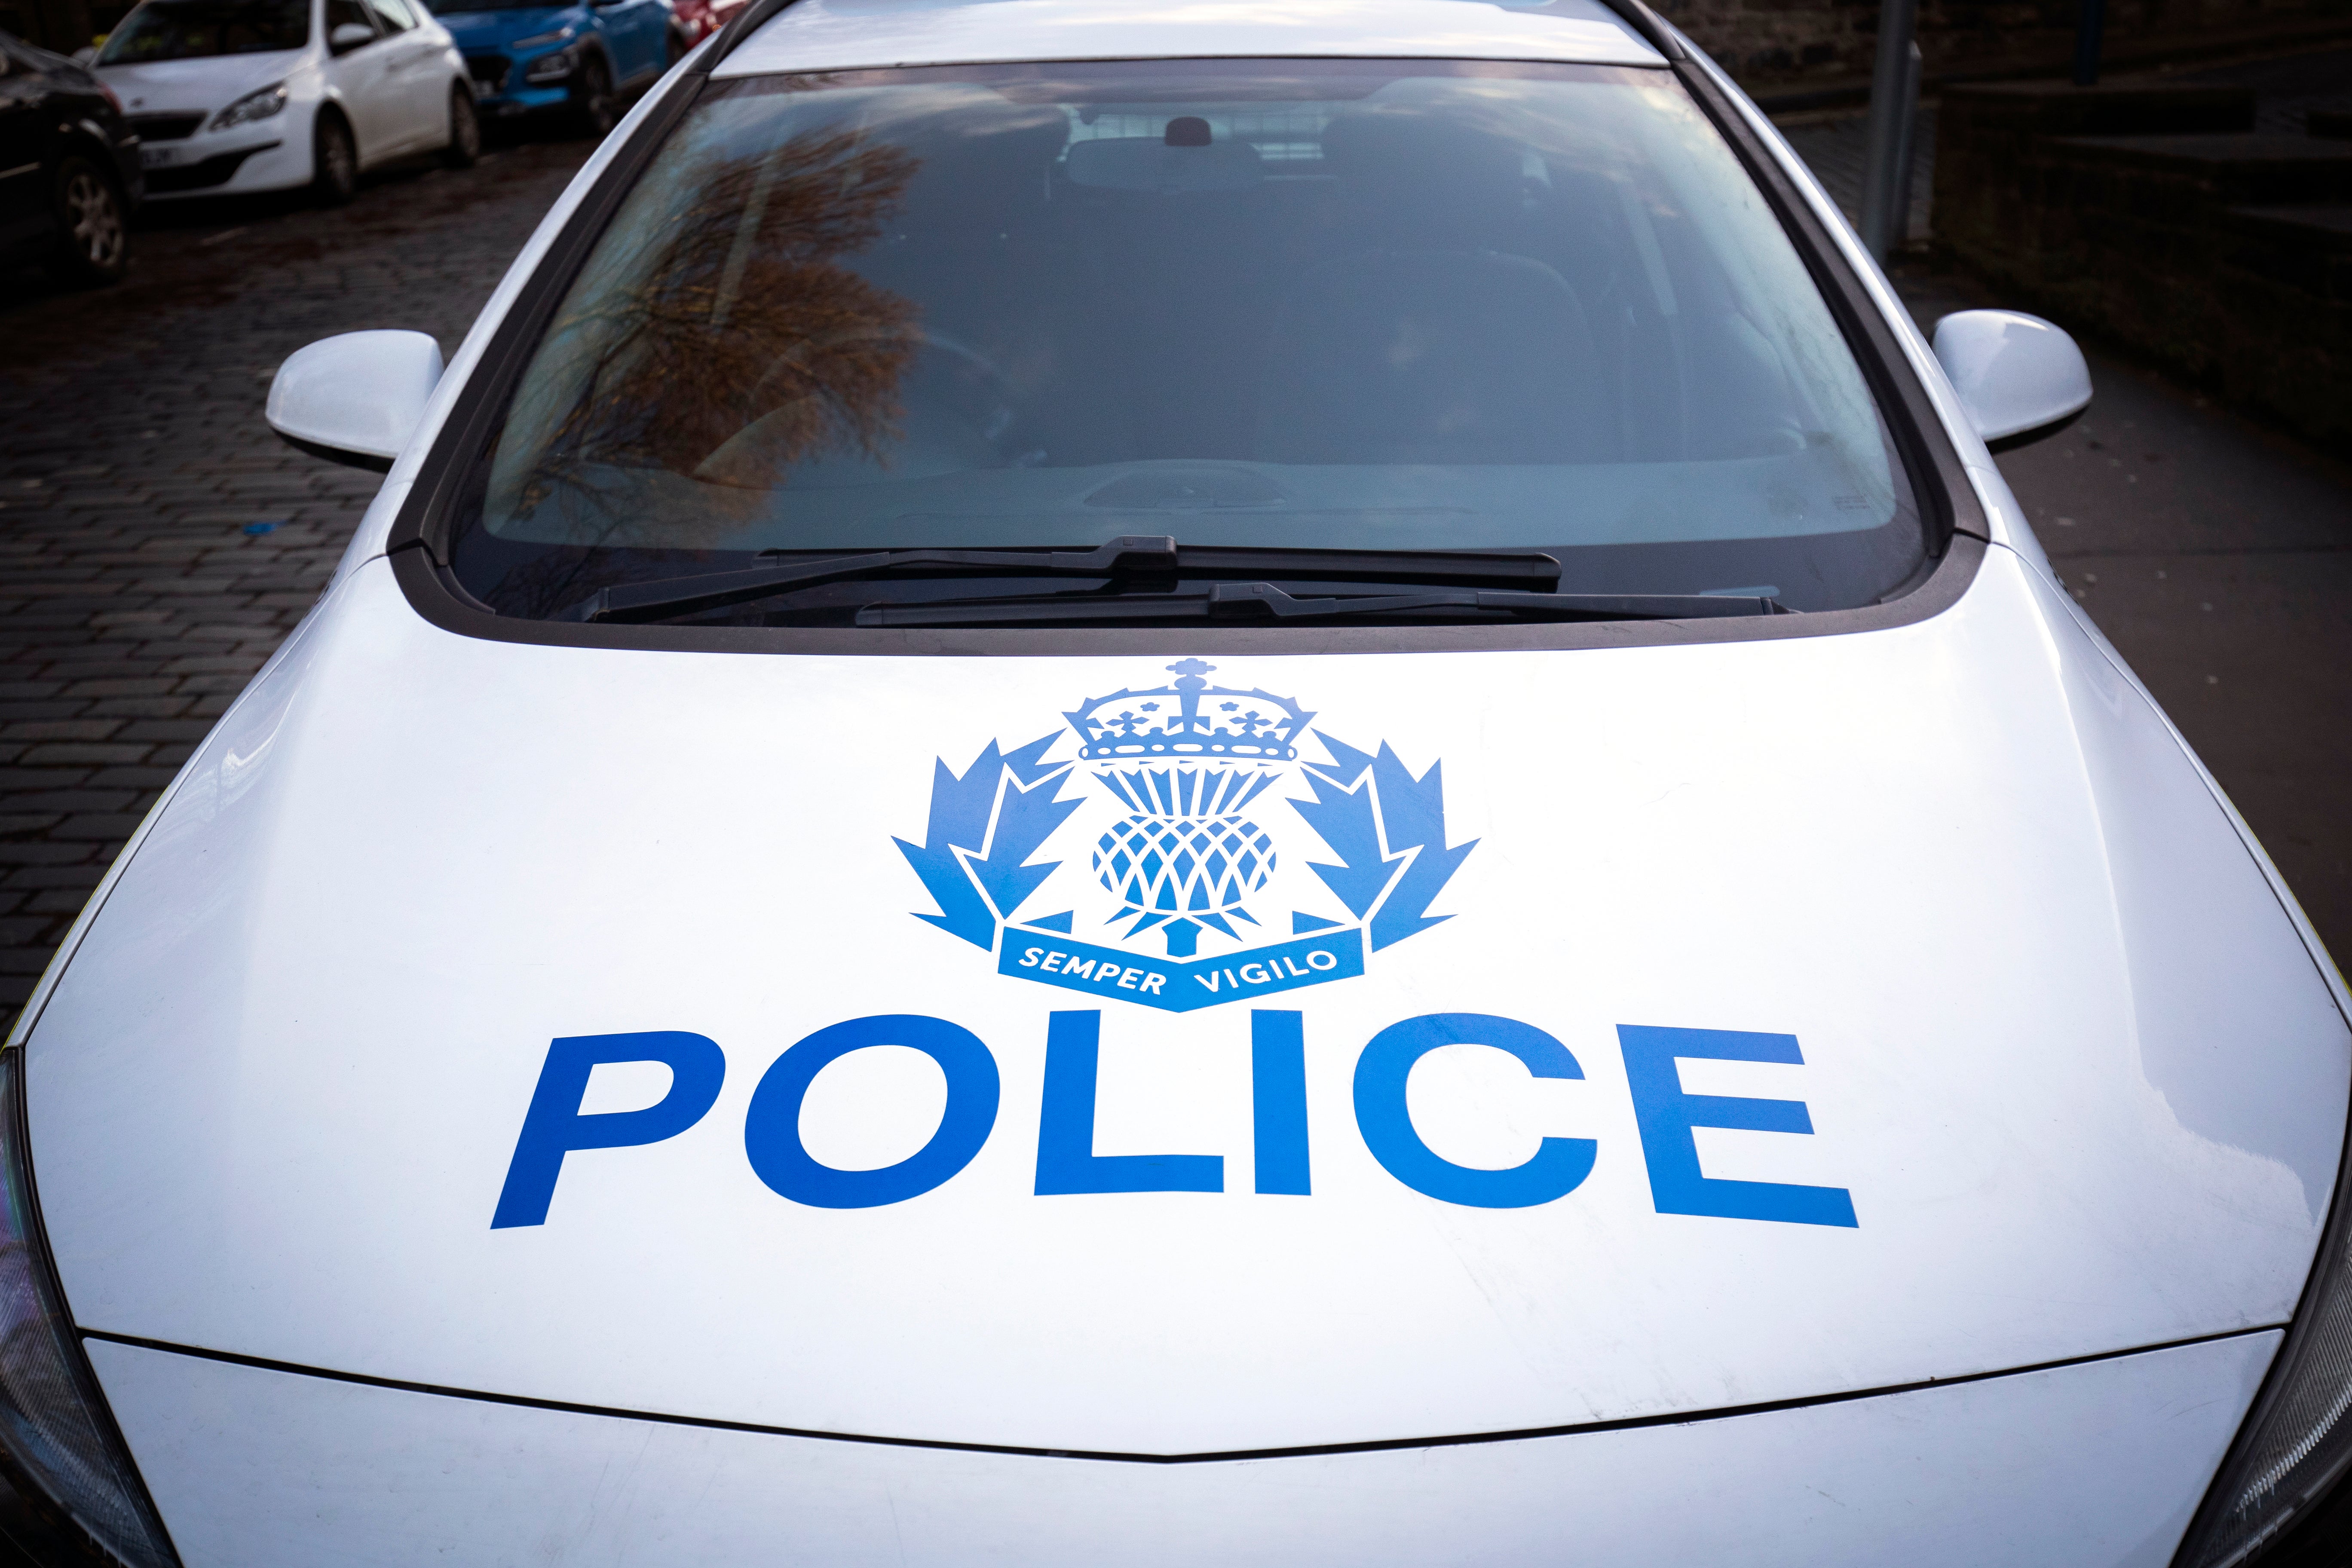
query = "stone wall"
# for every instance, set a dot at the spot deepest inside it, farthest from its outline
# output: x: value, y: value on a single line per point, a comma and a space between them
x: 2157, y: 217
x: 1792, y: 42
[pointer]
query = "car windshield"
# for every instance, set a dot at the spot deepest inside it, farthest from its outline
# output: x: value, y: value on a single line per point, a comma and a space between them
x: 1349, y: 304
x: 198, y: 29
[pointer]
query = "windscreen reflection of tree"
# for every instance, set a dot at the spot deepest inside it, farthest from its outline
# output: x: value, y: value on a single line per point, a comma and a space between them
x: 747, y: 347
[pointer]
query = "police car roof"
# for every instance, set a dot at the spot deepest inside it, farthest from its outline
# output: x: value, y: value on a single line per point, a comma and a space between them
x: 844, y: 34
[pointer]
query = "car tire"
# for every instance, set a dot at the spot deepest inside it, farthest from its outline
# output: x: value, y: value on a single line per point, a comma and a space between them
x: 93, y: 242
x: 334, y: 162
x: 465, y: 131
x: 594, y: 106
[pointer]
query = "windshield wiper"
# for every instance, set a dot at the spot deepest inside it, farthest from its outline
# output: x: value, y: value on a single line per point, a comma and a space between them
x: 1151, y: 556
x: 1263, y: 602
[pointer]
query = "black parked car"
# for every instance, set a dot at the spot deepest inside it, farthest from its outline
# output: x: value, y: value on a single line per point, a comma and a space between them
x: 68, y: 167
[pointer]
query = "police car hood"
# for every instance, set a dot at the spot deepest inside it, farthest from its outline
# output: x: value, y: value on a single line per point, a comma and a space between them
x: 1909, y: 1002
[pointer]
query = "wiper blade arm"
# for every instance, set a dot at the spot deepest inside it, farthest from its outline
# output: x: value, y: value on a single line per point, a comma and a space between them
x: 1142, y: 555
x: 1528, y: 570
x: 1135, y: 555
x: 1266, y: 602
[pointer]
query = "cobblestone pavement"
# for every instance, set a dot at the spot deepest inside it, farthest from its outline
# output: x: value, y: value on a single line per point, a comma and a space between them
x: 156, y: 541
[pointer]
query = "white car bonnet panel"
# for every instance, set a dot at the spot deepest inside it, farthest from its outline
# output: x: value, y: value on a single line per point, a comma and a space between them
x: 202, y: 85
x: 2084, y: 1467
x: 842, y: 35
x: 2067, y: 1068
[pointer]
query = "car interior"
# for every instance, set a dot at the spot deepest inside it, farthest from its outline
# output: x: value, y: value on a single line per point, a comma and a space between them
x: 1416, y: 309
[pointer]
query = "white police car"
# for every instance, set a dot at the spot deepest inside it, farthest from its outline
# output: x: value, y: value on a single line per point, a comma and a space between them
x: 1165, y: 783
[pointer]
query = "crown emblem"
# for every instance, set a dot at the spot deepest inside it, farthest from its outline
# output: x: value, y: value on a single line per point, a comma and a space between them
x: 1183, y: 759
x: 1189, y: 718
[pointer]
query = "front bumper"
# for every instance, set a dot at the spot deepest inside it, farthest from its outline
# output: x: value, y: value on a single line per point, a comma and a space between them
x: 266, y: 155
x: 128, y: 170
x: 2093, y: 1465
x: 501, y: 88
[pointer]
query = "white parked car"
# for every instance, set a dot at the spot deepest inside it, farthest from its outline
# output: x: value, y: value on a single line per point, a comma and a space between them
x: 1131, y: 781
x: 232, y: 97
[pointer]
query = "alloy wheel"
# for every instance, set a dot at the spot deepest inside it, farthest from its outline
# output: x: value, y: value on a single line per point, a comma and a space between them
x: 597, y: 106
x: 336, y: 163
x: 464, y: 132
x: 91, y: 240
x: 95, y: 219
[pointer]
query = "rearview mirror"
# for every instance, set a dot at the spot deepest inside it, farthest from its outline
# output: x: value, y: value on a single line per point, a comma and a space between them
x: 356, y: 398
x: 2019, y: 377
x: 351, y: 36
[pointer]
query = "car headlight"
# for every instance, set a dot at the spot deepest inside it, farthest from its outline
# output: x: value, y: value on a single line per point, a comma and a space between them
x: 537, y: 39
x: 2296, y: 1444
x: 72, y: 1477
x: 549, y: 68
x: 252, y: 106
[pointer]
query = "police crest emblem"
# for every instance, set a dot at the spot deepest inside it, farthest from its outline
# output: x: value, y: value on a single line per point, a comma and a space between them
x: 1177, y: 784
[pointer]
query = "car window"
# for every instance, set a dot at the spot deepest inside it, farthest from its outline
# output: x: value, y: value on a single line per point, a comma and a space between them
x: 1401, y: 305
x: 196, y: 29
x: 394, y: 16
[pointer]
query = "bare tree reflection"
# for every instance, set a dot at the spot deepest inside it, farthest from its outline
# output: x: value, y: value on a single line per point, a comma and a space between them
x: 745, y: 346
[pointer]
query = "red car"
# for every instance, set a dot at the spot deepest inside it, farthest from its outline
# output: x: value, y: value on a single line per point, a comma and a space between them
x: 698, y: 19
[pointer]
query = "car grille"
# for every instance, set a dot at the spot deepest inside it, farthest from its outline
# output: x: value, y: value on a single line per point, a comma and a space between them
x: 490, y: 70
x: 165, y: 127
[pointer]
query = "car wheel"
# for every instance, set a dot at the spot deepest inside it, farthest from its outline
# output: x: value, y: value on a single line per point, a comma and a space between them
x: 93, y: 242
x: 595, y: 105
x: 334, y: 162
x: 465, y: 131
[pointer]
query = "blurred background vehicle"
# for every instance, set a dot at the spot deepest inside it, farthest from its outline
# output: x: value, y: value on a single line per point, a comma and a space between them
x: 231, y: 96
x: 579, y: 60
x: 69, y: 176
x: 698, y: 19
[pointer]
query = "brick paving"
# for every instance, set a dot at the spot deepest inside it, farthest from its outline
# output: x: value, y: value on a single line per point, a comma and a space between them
x: 156, y: 540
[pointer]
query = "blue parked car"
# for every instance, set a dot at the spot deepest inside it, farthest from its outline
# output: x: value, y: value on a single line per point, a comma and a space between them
x: 578, y: 59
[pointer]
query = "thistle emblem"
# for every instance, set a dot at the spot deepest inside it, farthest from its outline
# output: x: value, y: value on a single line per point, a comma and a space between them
x: 1182, y: 774
x: 1184, y: 759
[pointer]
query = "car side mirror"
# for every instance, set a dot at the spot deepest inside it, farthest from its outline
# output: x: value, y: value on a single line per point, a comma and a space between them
x: 2019, y: 377
x: 350, y: 36
x: 84, y: 54
x: 356, y: 398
